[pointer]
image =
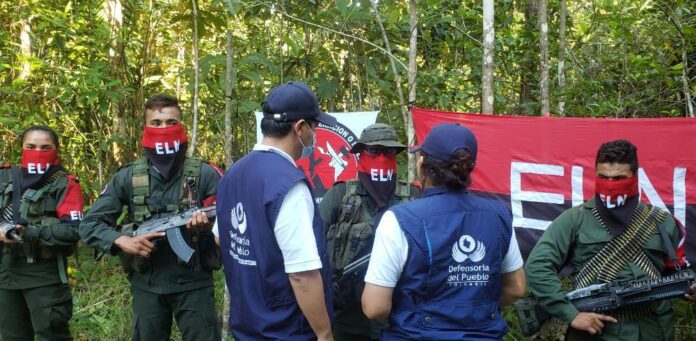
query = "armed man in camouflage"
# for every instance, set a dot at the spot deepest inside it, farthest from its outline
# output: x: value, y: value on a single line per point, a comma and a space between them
x: 605, y: 230
x: 349, y: 210
x: 162, y: 183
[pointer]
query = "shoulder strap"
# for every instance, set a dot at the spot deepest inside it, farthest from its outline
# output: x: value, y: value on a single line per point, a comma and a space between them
x: 140, y: 182
x: 189, y: 181
x: 16, y: 194
x: 350, y: 203
x: 666, y: 242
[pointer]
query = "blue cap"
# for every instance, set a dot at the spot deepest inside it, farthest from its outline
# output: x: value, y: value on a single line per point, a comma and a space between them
x: 445, y: 139
x: 294, y: 101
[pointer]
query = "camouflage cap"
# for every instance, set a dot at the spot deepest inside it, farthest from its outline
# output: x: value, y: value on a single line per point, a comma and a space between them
x: 378, y: 134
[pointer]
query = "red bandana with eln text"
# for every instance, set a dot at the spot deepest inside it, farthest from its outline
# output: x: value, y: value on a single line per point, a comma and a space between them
x: 166, y: 148
x: 378, y: 175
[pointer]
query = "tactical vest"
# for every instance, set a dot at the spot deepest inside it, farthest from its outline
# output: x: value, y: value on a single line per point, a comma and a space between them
x: 206, y: 255
x: 35, y: 211
x: 354, y: 229
x: 450, y: 285
x: 141, y: 188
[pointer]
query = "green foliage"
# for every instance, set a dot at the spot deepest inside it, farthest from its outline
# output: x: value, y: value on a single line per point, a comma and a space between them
x: 88, y: 77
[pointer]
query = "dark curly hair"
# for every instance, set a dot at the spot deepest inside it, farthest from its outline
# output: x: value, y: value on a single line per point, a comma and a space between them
x: 618, y: 151
x: 455, y: 174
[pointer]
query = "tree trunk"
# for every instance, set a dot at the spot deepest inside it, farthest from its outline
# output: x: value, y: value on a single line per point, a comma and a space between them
x: 194, y: 102
x: 25, y: 47
x: 228, y: 100
x: 528, y: 70
x: 113, y: 15
x: 405, y: 116
x: 412, y: 72
x: 488, y: 53
x: 685, y: 80
x: 689, y: 105
x: 544, y: 48
x: 561, y: 58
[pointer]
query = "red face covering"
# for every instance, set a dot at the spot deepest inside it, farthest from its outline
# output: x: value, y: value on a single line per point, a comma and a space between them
x: 38, y: 161
x: 166, y: 148
x: 378, y: 175
x: 36, y: 165
x: 615, y: 193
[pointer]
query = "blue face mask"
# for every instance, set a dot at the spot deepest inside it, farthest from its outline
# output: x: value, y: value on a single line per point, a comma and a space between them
x: 308, y: 150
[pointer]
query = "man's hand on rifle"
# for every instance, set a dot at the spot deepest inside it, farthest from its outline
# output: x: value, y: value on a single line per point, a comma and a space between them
x: 199, y: 222
x: 9, y: 240
x: 691, y: 297
x: 591, y: 322
x: 140, y: 245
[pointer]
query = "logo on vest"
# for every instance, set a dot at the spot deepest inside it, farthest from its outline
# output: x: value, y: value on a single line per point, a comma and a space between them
x: 239, y: 218
x: 467, y: 248
x: 239, y: 244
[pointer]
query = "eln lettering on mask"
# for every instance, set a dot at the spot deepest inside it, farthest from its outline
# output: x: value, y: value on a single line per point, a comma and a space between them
x: 164, y: 148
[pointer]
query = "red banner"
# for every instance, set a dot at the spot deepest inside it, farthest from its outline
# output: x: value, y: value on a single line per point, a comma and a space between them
x: 542, y: 165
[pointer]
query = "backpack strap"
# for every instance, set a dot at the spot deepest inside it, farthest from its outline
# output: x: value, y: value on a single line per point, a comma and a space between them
x: 351, y: 202
x: 140, y: 181
x: 192, y: 171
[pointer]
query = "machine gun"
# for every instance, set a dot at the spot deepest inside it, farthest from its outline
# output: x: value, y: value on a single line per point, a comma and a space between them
x: 170, y: 225
x: 602, y: 298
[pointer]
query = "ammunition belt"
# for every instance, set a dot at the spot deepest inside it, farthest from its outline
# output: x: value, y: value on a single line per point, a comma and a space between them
x: 627, y: 247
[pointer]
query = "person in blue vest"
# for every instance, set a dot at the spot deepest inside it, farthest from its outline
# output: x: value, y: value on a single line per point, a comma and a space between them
x: 444, y: 265
x: 271, y: 234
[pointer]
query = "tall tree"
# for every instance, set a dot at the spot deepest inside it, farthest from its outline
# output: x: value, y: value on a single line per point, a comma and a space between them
x: 25, y: 42
x: 196, y: 72
x: 405, y: 115
x: 561, y: 57
x: 112, y: 13
x: 488, y: 53
x: 412, y: 72
x: 544, y: 62
x: 689, y: 106
x: 229, y: 72
x: 528, y: 69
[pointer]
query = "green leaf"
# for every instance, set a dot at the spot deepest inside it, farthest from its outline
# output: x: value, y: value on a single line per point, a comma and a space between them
x: 251, y: 75
x: 342, y: 5
x: 232, y: 6
x: 248, y: 106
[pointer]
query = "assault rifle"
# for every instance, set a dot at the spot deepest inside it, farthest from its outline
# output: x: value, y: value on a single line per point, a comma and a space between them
x: 8, y: 229
x: 602, y: 298
x: 170, y: 225
x: 7, y: 225
x: 350, y: 272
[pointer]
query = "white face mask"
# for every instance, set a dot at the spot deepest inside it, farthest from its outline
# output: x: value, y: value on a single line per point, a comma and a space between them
x: 308, y: 150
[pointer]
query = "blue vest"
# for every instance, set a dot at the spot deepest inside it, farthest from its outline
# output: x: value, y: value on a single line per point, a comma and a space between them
x: 450, y: 285
x: 263, y: 304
